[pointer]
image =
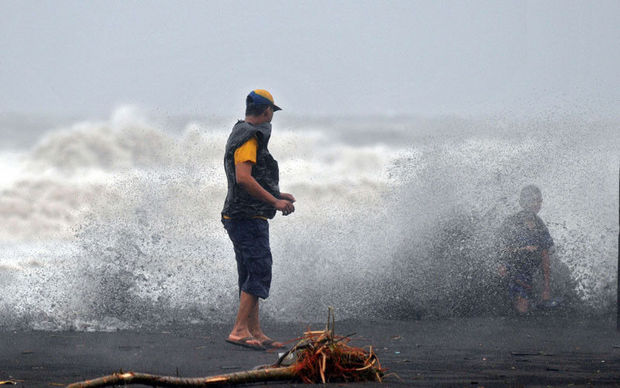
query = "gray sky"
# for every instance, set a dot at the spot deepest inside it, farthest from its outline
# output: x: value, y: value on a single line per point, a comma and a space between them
x: 316, y: 57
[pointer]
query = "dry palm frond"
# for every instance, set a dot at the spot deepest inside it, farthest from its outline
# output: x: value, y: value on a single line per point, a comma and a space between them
x: 322, y: 357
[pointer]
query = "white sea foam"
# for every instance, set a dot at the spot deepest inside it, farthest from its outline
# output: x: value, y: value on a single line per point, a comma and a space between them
x: 115, y: 224
x: 11, y: 167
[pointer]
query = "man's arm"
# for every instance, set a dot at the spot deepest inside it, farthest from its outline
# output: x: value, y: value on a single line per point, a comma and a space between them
x: 243, y: 172
x: 546, y: 271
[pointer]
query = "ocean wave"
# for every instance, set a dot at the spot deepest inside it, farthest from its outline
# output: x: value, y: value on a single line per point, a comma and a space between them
x: 128, y: 214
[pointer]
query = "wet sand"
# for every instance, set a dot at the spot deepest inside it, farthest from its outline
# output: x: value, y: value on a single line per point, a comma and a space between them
x: 535, y: 351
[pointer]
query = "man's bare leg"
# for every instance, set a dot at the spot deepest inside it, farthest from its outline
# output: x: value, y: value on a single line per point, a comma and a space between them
x: 254, y: 324
x: 247, y: 314
x: 255, y: 329
x: 522, y: 305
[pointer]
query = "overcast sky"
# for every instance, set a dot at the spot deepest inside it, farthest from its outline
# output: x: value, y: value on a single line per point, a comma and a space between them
x: 316, y: 57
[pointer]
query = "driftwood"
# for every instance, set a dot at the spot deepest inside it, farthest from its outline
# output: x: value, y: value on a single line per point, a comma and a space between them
x: 318, y: 357
x: 267, y: 374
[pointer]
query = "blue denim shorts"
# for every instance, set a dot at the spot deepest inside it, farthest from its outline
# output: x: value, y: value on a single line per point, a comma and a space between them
x: 521, y: 286
x: 250, y: 238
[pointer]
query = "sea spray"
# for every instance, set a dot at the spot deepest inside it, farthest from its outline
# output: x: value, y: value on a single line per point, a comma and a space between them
x: 116, y: 224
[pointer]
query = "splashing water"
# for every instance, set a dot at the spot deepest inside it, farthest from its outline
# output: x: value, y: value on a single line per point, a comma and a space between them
x: 116, y: 224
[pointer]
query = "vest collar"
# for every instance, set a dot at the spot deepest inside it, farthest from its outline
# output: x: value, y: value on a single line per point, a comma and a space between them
x: 263, y: 128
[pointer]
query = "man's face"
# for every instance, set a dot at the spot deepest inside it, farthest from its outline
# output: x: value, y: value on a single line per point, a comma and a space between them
x: 536, y: 204
x: 268, y: 114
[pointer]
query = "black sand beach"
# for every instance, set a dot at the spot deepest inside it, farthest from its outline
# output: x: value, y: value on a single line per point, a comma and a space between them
x: 535, y: 351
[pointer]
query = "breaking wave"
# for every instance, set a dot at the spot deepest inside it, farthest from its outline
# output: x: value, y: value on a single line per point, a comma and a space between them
x: 115, y: 224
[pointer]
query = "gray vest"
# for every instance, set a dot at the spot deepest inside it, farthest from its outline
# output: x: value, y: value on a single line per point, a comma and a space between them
x: 239, y: 203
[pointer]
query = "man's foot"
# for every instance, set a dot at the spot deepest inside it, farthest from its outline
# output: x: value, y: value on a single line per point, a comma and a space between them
x: 267, y: 342
x: 246, y: 342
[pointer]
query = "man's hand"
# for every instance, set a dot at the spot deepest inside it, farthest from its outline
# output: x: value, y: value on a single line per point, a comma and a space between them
x: 502, y: 270
x: 288, y: 207
x: 285, y: 206
x: 546, y: 295
x: 287, y: 196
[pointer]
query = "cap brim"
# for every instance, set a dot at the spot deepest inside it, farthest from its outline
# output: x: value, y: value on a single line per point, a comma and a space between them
x: 275, y: 107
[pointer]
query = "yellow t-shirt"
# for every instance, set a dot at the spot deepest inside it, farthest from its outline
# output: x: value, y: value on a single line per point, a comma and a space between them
x: 247, y: 152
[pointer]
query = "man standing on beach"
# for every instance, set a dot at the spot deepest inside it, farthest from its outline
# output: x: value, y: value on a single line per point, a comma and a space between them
x: 253, y: 198
x: 525, y: 243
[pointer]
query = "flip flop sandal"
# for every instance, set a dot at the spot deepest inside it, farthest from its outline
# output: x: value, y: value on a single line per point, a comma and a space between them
x: 244, y: 342
x: 269, y: 344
